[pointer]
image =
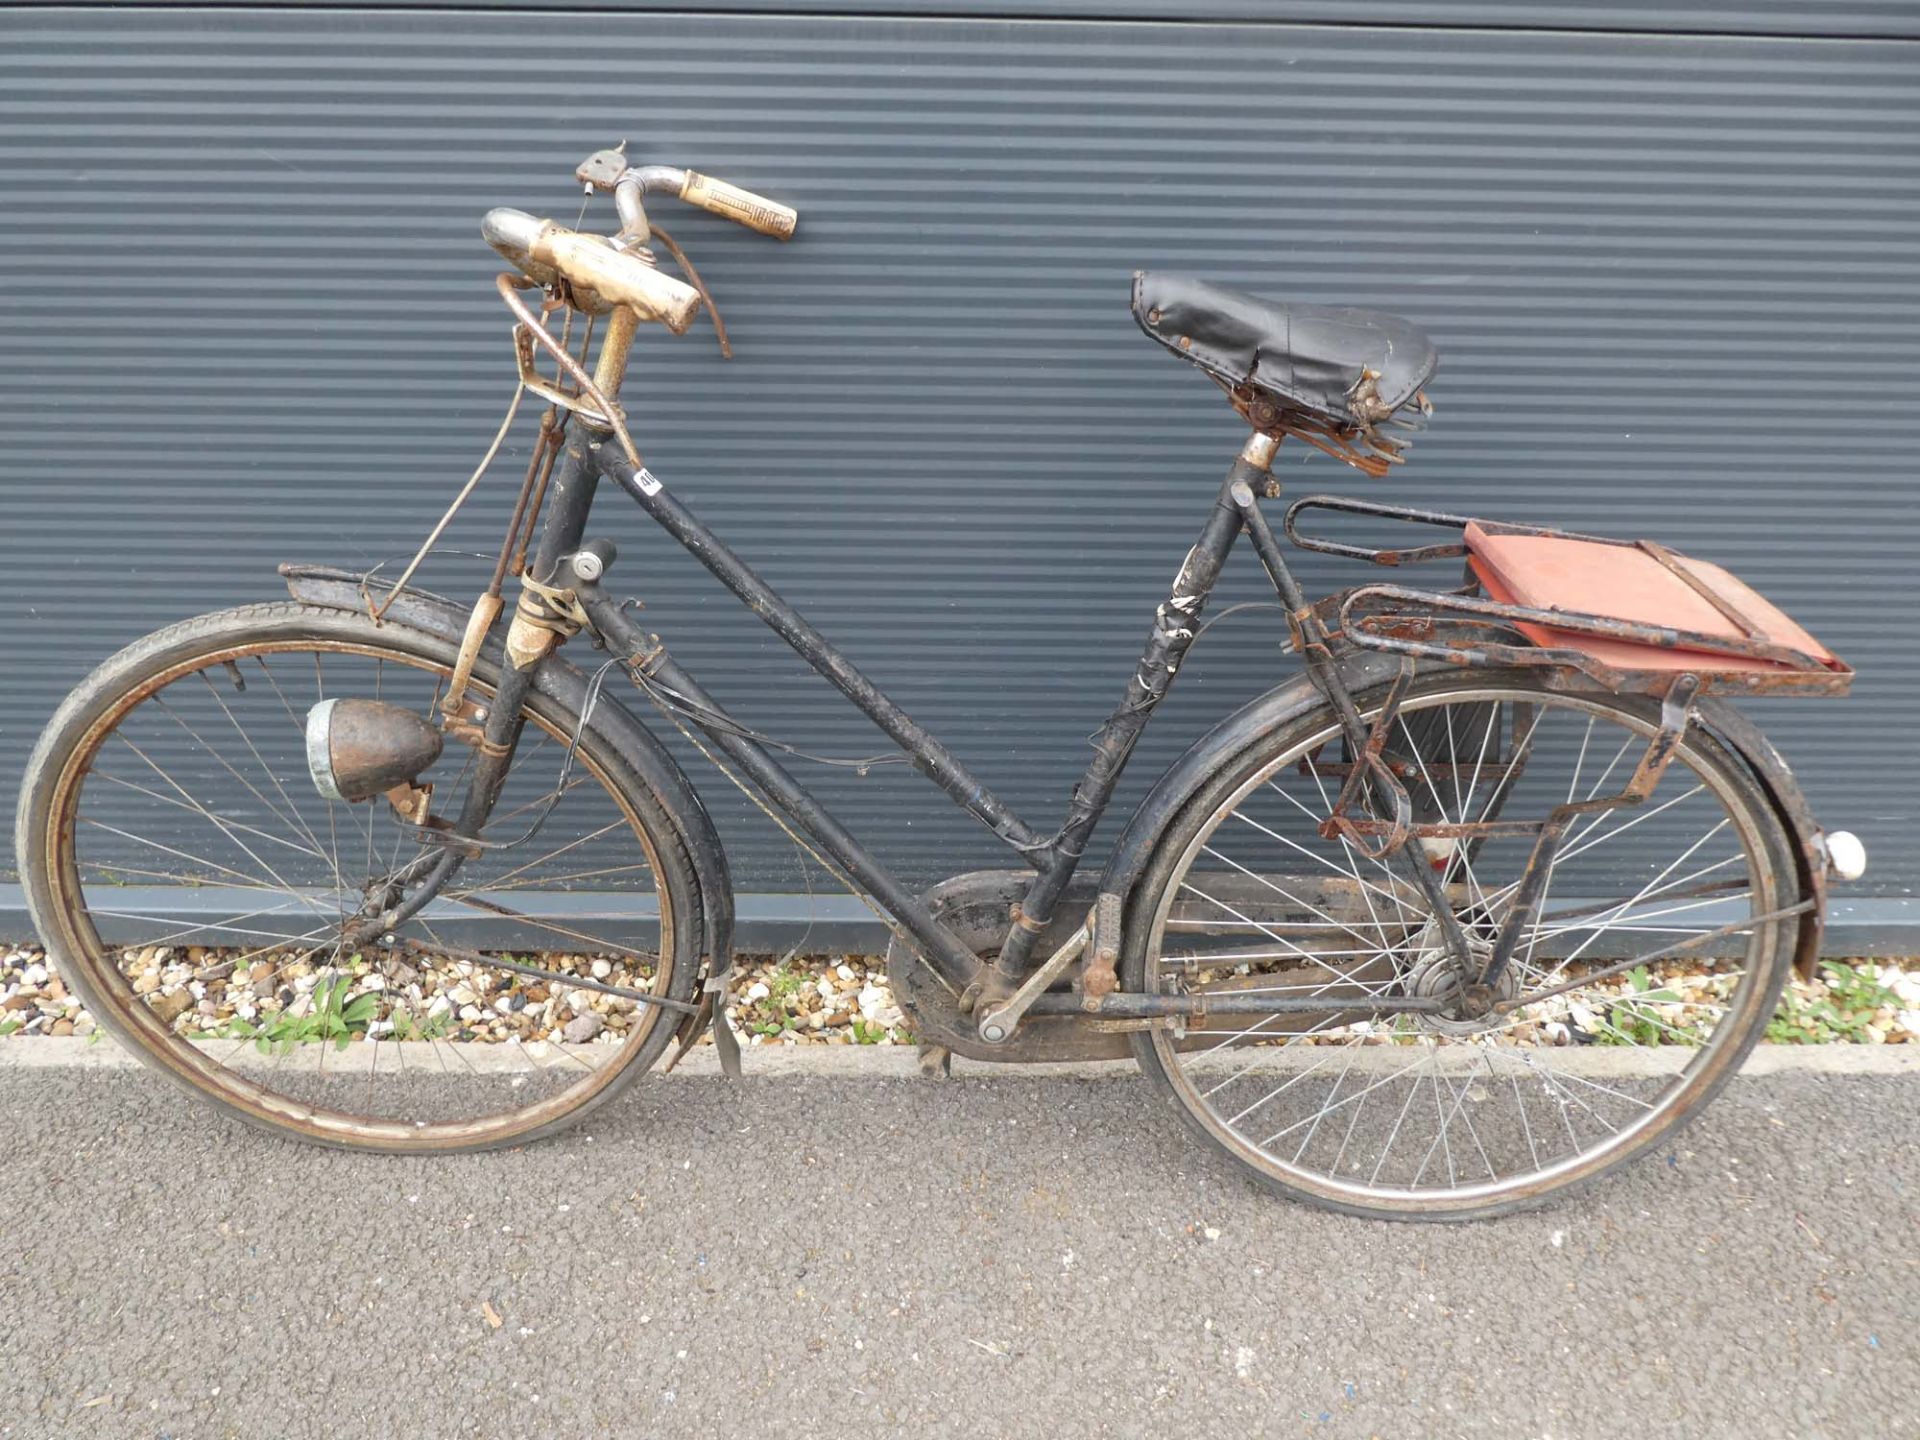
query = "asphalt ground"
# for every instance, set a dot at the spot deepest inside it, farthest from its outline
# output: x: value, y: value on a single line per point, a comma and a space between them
x: 866, y: 1254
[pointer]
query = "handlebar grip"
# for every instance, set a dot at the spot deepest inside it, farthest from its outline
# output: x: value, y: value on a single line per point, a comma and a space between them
x: 618, y: 277
x: 743, y: 207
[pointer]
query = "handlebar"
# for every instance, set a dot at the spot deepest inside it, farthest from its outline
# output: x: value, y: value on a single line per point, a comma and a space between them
x: 545, y: 250
x: 608, y: 170
x: 600, y: 272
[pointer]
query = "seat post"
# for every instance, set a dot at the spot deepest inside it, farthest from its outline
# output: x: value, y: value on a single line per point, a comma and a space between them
x: 1260, y: 450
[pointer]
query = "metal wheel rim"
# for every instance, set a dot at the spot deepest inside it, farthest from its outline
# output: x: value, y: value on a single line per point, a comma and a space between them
x: 1701, y: 1067
x: 183, y: 1059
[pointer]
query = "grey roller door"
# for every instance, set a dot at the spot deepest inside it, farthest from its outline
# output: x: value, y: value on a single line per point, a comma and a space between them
x: 1673, y: 279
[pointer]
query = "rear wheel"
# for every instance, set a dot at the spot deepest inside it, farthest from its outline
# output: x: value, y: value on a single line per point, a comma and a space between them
x: 194, y: 889
x: 1449, y: 1115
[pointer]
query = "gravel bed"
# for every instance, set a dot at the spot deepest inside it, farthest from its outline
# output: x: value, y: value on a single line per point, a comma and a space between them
x: 826, y: 1000
x: 818, y: 1000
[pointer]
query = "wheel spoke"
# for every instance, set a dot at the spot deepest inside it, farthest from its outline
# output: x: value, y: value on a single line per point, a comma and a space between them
x: 1413, y: 1111
x: 202, y: 841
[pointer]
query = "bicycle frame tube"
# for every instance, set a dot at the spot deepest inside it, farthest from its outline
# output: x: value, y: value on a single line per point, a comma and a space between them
x: 1054, y: 858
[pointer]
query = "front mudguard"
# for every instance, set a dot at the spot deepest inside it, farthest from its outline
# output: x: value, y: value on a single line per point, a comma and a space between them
x: 1365, y: 670
x: 566, y: 683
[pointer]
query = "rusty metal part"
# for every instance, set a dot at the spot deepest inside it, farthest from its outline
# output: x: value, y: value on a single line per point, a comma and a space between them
x: 1372, y: 775
x: 1097, y: 976
x: 555, y: 607
x: 547, y: 446
x: 1365, y: 445
x: 410, y: 801
x: 527, y: 645
x: 610, y: 370
x: 1676, y: 714
x: 468, y: 724
x: 544, y: 616
x: 1020, y: 920
x: 608, y: 170
x: 518, y: 566
x: 1401, y: 620
x: 1400, y: 513
x: 544, y: 440
x: 1801, y: 674
x: 486, y: 610
x: 525, y: 339
x: 1259, y: 450
x: 603, y: 169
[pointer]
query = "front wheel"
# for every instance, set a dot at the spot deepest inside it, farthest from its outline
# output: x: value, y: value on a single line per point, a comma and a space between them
x: 196, y: 892
x: 1444, y: 1115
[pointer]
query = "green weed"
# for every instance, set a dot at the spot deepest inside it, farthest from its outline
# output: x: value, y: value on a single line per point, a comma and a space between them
x: 1842, y: 1013
x: 328, y: 1016
x: 1634, y: 1020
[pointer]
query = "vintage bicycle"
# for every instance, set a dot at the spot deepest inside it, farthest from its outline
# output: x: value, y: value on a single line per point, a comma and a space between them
x: 1487, y: 899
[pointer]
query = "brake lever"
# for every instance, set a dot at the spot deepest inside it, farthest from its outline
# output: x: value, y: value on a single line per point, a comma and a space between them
x: 706, y: 295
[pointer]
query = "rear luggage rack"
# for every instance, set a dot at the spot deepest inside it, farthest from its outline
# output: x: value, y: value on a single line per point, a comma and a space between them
x: 1532, y: 578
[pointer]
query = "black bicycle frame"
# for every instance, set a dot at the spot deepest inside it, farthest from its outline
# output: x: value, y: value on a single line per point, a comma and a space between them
x: 1054, y: 858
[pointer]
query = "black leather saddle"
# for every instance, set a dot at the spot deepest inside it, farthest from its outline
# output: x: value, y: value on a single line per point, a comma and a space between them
x: 1348, y: 368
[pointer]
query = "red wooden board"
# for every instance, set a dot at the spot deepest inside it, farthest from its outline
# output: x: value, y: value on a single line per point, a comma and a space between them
x: 1624, y: 583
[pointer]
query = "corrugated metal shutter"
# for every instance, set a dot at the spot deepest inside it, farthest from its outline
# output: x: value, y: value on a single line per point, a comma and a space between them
x: 1673, y: 279
x: 1874, y: 19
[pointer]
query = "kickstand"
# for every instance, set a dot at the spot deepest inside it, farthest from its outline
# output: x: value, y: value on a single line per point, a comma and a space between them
x: 936, y: 1062
x: 725, y: 1042
x: 713, y: 1013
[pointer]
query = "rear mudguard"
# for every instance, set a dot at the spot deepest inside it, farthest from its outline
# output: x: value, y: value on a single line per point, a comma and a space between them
x: 562, y: 681
x: 1366, y: 670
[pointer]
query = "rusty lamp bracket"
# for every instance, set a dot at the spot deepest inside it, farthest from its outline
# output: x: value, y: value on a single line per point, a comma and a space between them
x: 410, y: 801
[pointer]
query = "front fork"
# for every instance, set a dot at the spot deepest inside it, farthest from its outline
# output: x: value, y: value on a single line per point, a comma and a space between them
x: 532, y: 633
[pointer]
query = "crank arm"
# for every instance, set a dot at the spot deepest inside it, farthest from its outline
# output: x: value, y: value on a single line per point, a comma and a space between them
x: 997, y: 1025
